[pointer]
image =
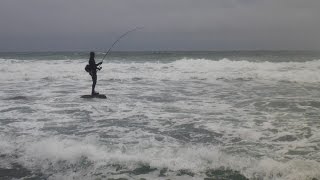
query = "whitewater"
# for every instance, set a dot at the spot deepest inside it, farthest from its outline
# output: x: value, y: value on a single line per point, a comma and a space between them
x: 166, y: 116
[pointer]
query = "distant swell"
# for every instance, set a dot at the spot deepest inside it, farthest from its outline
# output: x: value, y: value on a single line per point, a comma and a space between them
x: 183, y: 69
x: 17, y: 98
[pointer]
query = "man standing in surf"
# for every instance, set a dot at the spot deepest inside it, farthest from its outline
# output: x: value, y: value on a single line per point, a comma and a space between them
x: 93, y: 67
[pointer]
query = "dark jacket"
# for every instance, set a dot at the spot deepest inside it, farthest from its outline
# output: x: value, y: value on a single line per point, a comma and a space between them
x: 93, y: 65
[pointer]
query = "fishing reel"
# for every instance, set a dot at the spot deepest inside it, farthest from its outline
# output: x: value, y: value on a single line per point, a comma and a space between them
x: 99, y: 67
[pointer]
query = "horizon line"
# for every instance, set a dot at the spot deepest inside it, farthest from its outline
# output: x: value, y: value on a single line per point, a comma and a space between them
x: 119, y: 51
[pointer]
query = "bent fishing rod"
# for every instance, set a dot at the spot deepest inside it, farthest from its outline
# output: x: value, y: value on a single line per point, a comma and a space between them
x: 118, y: 39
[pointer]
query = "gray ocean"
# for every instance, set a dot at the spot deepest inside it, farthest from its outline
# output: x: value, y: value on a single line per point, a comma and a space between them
x: 168, y: 115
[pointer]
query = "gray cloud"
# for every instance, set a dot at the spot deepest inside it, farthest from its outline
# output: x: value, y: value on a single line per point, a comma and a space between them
x: 38, y: 25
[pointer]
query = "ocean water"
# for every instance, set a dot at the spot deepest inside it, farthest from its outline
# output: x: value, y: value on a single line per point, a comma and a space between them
x: 169, y: 115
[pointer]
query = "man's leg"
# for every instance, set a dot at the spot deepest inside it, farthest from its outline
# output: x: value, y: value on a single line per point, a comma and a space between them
x: 94, y: 82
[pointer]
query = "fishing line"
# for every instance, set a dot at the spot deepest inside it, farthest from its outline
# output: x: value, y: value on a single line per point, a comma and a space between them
x: 118, y: 39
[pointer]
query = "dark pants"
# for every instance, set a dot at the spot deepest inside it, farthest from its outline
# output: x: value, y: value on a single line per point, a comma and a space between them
x: 94, y: 81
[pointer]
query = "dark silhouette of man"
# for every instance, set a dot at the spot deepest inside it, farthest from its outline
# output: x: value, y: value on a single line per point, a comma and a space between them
x: 93, y: 72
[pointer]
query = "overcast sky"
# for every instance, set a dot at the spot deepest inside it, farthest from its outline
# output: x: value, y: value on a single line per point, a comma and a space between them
x: 64, y: 25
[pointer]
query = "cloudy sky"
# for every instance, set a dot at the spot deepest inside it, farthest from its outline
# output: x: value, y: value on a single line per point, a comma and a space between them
x: 64, y: 25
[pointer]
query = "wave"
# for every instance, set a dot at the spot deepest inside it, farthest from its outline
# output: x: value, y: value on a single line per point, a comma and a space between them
x: 182, y: 69
x: 213, y: 71
x: 87, y: 159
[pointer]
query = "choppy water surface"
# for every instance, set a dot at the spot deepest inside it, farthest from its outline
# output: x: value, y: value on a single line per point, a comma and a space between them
x: 168, y: 116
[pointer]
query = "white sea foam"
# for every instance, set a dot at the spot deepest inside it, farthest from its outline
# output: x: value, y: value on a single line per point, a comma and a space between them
x: 184, y: 69
x: 259, y: 118
x: 89, y: 156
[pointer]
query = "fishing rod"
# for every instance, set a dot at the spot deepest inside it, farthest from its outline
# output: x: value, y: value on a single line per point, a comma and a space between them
x: 118, y: 39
